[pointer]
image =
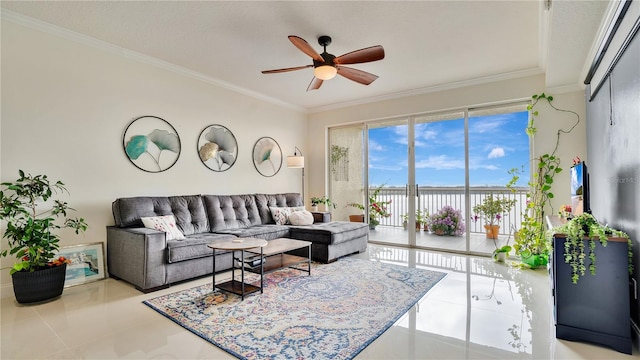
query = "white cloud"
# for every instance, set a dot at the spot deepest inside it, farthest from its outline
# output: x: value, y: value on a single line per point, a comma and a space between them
x: 374, y: 146
x: 495, y: 153
x: 440, y: 162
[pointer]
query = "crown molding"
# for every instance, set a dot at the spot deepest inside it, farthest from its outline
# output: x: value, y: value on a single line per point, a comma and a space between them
x: 431, y: 89
x: 11, y: 16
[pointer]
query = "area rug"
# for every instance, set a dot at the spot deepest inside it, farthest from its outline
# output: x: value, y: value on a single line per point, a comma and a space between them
x: 332, y: 314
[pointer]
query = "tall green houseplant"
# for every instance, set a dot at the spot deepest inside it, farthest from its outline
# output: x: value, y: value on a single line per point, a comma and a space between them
x: 30, y: 230
x: 531, y: 242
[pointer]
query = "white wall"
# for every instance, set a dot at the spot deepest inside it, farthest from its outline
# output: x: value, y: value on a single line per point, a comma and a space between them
x: 500, y: 91
x: 65, y: 107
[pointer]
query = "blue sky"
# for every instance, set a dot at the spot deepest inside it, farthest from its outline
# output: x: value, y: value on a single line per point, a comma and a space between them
x: 497, y: 143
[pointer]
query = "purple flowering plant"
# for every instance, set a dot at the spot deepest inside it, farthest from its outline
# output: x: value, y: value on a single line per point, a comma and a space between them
x: 448, y: 220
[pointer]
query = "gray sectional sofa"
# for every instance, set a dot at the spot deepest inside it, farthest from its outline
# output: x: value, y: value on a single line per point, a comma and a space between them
x: 145, y: 258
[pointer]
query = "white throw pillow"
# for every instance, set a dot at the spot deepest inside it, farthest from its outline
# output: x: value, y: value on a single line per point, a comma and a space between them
x: 301, y: 218
x: 281, y: 214
x: 165, y: 223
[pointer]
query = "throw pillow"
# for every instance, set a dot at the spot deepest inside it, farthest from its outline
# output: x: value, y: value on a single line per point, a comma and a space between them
x: 301, y: 218
x: 281, y: 214
x: 165, y: 223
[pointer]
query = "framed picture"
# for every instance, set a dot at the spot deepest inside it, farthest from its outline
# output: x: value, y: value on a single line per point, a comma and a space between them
x: 87, y: 263
x: 217, y: 148
x: 151, y: 144
x: 267, y: 156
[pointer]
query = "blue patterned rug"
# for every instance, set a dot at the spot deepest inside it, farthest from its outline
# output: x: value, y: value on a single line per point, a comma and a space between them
x: 332, y: 314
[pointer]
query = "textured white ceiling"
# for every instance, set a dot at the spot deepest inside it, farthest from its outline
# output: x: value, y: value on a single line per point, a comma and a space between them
x: 428, y: 44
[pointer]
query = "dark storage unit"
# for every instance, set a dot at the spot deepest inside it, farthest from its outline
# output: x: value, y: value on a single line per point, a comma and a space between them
x: 596, y: 309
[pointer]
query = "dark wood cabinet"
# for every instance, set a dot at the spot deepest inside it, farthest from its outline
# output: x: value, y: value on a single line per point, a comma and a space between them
x: 596, y: 309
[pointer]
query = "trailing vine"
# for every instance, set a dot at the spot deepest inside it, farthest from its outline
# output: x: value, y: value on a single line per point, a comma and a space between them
x: 531, y: 237
x: 586, y: 227
x: 531, y: 129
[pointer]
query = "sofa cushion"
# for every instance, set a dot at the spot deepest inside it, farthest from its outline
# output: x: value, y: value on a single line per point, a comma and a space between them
x: 267, y: 232
x: 190, y: 214
x: 301, y: 218
x: 188, y: 211
x: 228, y: 212
x: 128, y: 211
x: 193, y: 246
x: 281, y: 214
x: 165, y: 223
x: 329, y: 233
x: 265, y: 201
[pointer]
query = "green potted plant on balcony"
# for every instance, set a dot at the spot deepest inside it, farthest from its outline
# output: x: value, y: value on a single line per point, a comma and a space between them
x: 377, y: 208
x: 492, y: 210
x: 315, y: 201
x: 30, y: 232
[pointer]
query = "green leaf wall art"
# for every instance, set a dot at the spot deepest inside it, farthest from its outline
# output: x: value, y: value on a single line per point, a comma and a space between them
x: 267, y: 156
x: 217, y: 148
x: 151, y: 144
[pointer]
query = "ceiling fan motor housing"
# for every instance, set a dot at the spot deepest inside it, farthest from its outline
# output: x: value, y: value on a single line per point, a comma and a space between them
x: 328, y: 60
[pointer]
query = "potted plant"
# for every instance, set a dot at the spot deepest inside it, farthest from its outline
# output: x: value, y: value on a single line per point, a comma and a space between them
x: 530, y: 240
x: 492, y: 210
x: 36, y: 276
x: 315, y: 201
x: 377, y: 209
x: 422, y: 220
x: 447, y: 221
x: 500, y: 253
x: 576, y: 230
x: 405, y: 220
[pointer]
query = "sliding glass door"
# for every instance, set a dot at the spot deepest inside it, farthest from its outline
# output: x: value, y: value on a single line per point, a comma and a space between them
x: 418, y: 180
x: 390, y: 191
x: 440, y: 162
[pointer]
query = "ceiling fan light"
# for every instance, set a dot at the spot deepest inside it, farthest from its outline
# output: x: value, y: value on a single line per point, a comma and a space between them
x: 325, y: 72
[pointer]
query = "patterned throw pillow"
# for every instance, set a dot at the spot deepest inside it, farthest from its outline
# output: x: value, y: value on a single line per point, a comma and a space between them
x: 281, y: 214
x: 301, y: 218
x: 165, y: 223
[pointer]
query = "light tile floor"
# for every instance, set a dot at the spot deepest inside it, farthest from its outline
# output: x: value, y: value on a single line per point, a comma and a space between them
x: 481, y: 310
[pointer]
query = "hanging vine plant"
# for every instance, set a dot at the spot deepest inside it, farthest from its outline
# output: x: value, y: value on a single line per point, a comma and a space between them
x: 337, y: 153
x: 586, y: 227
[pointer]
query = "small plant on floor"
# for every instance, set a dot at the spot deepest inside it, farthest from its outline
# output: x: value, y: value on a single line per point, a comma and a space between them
x: 506, y: 248
x: 447, y: 221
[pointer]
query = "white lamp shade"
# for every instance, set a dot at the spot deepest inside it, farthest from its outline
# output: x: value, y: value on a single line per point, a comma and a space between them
x: 295, y: 161
x: 325, y: 72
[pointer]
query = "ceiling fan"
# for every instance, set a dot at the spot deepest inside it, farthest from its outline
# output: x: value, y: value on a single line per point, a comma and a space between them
x: 326, y: 66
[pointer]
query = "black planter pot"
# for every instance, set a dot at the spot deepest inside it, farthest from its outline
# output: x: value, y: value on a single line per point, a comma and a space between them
x: 40, y: 285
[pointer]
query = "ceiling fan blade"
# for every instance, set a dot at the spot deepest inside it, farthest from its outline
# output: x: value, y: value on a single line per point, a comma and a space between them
x: 356, y: 75
x: 373, y: 53
x: 314, y: 84
x: 286, y: 69
x: 304, y: 46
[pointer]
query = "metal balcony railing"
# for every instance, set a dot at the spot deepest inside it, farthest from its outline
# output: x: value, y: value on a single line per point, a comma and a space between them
x: 432, y: 199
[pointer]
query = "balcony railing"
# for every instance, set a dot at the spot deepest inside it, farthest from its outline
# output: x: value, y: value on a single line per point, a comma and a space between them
x: 432, y: 199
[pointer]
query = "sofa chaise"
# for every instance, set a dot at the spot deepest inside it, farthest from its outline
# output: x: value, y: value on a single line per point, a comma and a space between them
x: 150, y: 260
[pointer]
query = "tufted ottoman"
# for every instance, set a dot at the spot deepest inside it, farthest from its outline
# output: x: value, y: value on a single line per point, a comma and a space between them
x: 333, y: 239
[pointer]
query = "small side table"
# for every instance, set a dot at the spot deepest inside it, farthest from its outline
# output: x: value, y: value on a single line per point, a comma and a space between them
x: 241, y: 245
x: 321, y: 216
